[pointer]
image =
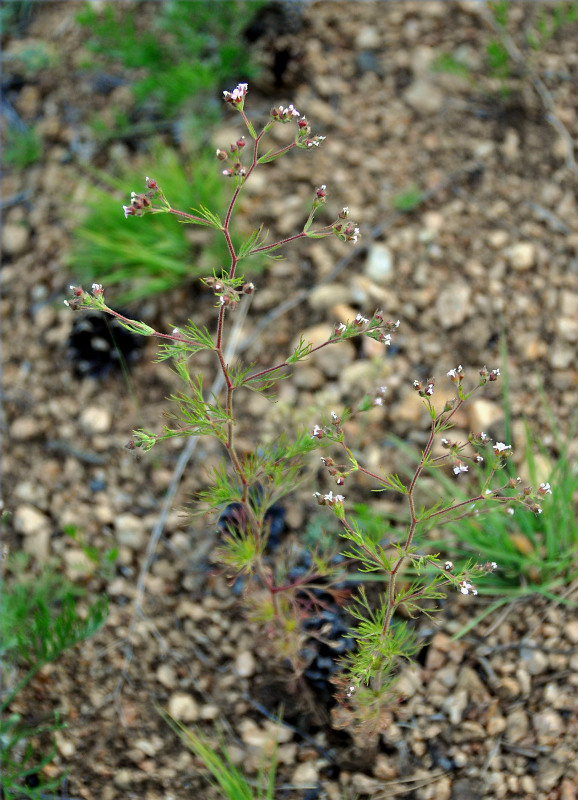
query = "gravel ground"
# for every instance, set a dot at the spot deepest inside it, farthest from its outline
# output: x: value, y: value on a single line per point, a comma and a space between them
x: 492, y: 250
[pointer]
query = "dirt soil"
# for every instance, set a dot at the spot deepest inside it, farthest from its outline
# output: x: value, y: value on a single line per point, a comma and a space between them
x: 492, y: 249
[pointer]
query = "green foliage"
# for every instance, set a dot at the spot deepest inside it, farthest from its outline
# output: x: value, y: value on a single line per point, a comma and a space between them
x: 21, y: 147
x: 550, y: 21
x: 534, y: 552
x: 232, y: 783
x: 145, y: 260
x: 40, y: 619
x: 450, y: 65
x: 180, y: 57
x: 408, y: 199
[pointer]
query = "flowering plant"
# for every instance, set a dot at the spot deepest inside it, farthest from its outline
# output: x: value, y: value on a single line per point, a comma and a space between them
x: 284, y: 599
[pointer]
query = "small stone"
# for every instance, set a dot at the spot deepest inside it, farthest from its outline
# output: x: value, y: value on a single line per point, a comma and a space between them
x: 78, y: 564
x: 535, y: 661
x: 517, y: 725
x: 306, y: 776
x: 210, y: 711
x: 14, y: 239
x: 484, y: 414
x: 245, y: 664
x: 571, y: 631
x: 167, y: 676
x: 549, y: 726
x: 511, y: 146
x: 96, y: 419
x: 183, y: 707
x: 130, y: 531
x: 25, y: 428
x: 522, y: 256
x: 498, y: 239
x: 496, y: 724
x: 453, y: 305
x: 123, y: 778
x: 65, y: 746
x: 29, y: 520
x: 327, y: 295
x: 368, y: 38
x: 455, y: 705
x: 424, y: 97
x: 379, y: 263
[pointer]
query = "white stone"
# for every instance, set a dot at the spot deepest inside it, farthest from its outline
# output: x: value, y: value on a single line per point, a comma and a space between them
x: 453, y: 305
x: 14, y: 239
x: 245, y: 664
x: 305, y: 776
x: 167, y: 676
x: 424, y: 97
x: 379, y: 263
x: 521, y: 256
x: 368, y: 38
x: 183, y: 707
x: 96, y: 419
x: 30, y: 521
x: 130, y: 531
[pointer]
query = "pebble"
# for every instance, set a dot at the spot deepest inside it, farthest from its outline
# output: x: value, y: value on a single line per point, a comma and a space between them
x: 327, y: 295
x: 245, y: 664
x: 453, y: 305
x: 424, y: 97
x: 25, y: 428
x: 521, y: 256
x: 14, y: 239
x: 130, y: 531
x: 534, y: 661
x: 167, y: 676
x: 517, y: 725
x: 95, y: 420
x: 29, y: 521
x: 305, y: 776
x: 571, y: 631
x: 379, y: 263
x: 183, y: 707
x: 549, y: 726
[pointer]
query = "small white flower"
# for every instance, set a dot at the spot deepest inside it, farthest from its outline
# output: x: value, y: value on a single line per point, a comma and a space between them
x: 334, y: 416
x: 496, y: 372
x: 317, y: 431
x: 237, y: 94
x: 464, y: 587
x: 378, y: 401
x: 544, y: 488
x: 429, y: 390
x: 500, y: 447
x: 510, y: 511
x: 449, y: 565
x: 488, y: 491
x: 459, y: 466
x: 454, y: 373
x: 345, y: 211
x: 361, y: 320
x: 342, y: 326
x: 386, y: 340
x: 493, y: 565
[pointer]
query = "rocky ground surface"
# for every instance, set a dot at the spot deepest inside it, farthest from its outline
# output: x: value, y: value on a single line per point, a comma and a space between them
x: 491, y: 250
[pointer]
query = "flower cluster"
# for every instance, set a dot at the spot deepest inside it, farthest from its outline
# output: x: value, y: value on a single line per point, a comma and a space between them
x: 280, y: 114
x: 237, y: 96
x: 139, y: 203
